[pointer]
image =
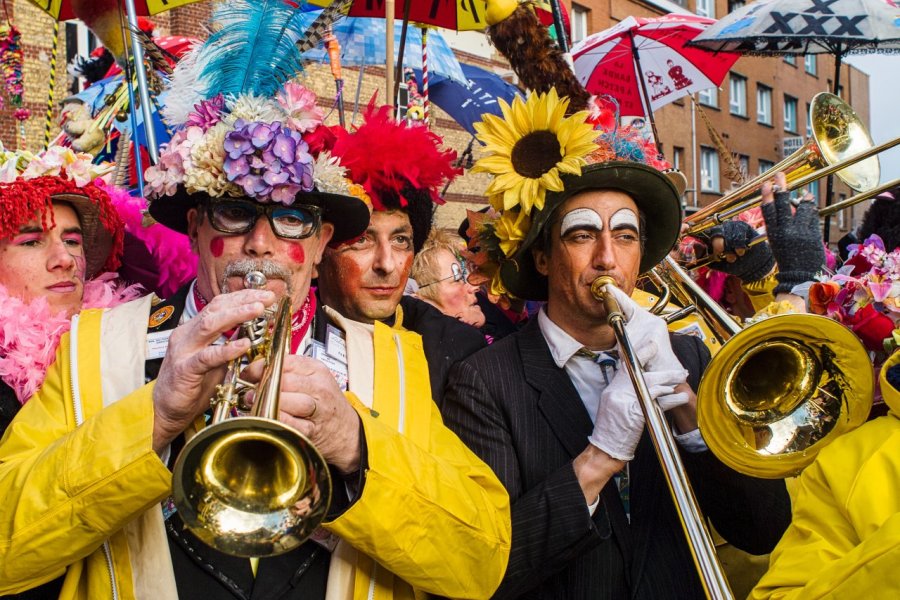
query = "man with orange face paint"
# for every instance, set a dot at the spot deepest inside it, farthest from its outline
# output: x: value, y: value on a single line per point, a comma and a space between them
x: 363, y: 280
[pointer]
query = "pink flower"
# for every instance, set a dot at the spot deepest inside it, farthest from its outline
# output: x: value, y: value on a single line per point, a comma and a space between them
x: 300, y: 104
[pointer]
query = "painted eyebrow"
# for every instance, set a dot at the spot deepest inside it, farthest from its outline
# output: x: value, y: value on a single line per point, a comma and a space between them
x: 77, y: 230
x: 30, y: 229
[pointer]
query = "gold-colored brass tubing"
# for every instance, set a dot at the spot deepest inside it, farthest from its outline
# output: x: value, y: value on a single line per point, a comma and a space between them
x: 252, y: 486
x: 702, y: 548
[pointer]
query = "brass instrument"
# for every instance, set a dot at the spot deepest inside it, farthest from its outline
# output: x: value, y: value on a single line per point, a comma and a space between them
x: 840, y: 145
x: 249, y: 485
x: 826, y: 211
x: 702, y: 548
x: 779, y: 390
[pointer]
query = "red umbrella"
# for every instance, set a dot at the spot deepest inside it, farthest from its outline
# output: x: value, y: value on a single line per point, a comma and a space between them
x: 608, y: 62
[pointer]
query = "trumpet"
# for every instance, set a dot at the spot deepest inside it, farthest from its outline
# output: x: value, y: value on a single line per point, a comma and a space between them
x: 251, y: 486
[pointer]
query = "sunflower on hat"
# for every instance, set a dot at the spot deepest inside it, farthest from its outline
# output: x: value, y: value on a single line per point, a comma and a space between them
x: 539, y: 159
x: 530, y: 147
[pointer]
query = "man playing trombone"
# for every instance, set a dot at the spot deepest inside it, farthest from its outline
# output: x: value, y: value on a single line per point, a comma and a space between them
x: 552, y: 409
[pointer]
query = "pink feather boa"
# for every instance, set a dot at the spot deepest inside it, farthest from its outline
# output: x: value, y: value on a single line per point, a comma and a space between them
x: 173, y: 259
x: 30, y: 332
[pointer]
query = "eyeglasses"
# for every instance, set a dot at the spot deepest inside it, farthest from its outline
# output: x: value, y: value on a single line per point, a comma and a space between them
x: 460, y: 273
x: 237, y: 217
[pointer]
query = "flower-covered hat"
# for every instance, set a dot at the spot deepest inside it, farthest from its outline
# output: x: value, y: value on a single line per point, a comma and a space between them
x: 30, y: 184
x: 247, y: 131
x: 539, y: 159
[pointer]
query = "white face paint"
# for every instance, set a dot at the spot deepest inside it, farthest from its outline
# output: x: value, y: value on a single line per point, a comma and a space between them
x: 580, y: 218
x: 624, y: 217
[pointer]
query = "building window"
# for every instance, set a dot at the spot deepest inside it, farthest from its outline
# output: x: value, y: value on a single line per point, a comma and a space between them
x: 765, y: 165
x: 678, y: 158
x: 709, y: 97
x: 706, y: 8
x: 764, y: 105
x: 80, y: 41
x: 809, y: 63
x: 733, y: 5
x: 813, y: 188
x: 790, y: 114
x: 809, y: 131
x: 791, y: 60
x: 744, y: 166
x: 579, y: 22
x: 709, y: 170
x: 738, y: 94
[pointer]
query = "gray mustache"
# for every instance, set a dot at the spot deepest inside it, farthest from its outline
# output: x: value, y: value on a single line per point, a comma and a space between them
x: 271, y: 269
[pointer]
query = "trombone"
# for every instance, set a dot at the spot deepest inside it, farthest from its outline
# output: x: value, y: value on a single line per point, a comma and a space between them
x: 826, y: 211
x: 840, y: 145
x: 251, y: 486
x: 699, y: 541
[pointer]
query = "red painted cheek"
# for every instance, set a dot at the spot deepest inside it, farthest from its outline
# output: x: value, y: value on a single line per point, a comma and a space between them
x: 217, y: 246
x: 296, y: 254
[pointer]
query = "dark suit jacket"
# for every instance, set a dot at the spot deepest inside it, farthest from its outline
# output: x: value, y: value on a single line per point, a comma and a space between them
x: 521, y: 414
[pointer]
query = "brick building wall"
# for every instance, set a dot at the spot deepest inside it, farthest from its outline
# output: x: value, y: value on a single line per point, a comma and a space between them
x: 680, y: 127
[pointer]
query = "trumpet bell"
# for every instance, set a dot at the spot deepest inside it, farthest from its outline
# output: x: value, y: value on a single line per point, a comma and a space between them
x: 839, y: 134
x: 782, y: 389
x: 251, y: 487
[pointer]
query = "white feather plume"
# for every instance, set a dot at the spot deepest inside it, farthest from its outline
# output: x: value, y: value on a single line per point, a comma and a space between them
x: 184, y: 90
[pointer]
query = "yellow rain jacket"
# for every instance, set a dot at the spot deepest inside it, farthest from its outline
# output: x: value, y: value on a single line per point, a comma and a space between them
x: 844, y: 539
x: 82, y: 484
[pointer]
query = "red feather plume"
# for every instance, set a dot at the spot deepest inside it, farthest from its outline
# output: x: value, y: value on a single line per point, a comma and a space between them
x: 390, y: 159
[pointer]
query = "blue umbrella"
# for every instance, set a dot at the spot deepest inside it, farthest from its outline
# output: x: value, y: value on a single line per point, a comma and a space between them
x: 362, y: 43
x: 467, y: 102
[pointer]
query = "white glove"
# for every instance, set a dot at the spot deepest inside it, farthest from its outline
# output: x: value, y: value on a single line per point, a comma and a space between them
x: 644, y: 328
x: 620, y: 421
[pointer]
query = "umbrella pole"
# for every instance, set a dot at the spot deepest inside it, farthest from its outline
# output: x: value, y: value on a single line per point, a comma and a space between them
x: 359, y: 80
x: 640, y: 77
x: 334, y: 58
x: 389, y: 52
x: 829, y: 181
x: 143, y: 89
x: 561, y: 38
x: 399, y: 74
x: 425, y: 102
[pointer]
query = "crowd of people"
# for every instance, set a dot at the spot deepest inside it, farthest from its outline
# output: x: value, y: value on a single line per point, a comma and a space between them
x: 482, y: 434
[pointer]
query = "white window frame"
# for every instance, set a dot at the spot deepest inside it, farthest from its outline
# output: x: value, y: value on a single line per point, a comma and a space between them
x: 706, y: 8
x: 790, y: 116
x: 744, y: 165
x: 579, y: 22
x: 790, y: 59
x: 810, y: 64
x: 737, y: 93
x: 710, y: 181
x: 764, y: 104
x: 709, y: 97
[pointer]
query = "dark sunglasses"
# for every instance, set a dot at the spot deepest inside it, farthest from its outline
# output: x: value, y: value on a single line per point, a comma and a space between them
x: 237, y: 217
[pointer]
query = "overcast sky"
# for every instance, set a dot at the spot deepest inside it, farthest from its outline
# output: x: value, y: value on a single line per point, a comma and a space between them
x: 884, y: 96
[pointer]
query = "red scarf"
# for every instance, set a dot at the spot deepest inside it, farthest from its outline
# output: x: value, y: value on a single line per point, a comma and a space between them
x: 300, y: 320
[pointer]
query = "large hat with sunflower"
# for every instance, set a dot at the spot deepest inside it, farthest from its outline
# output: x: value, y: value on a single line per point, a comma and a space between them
x: 246, y: 129
x: 539, y: 159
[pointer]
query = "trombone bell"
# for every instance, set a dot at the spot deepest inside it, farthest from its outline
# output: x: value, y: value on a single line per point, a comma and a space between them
x: 782, y: 389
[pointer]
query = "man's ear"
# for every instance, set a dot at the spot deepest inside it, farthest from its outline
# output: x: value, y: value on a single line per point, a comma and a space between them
x: 325, y: 234
x: 541, y: 262
x: 193, y: 218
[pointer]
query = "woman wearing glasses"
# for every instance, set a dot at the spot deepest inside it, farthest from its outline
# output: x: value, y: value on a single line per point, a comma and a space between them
x: 442, y: 276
